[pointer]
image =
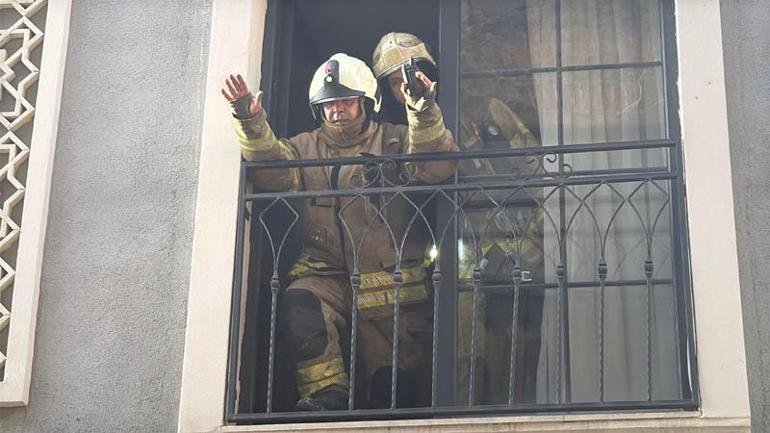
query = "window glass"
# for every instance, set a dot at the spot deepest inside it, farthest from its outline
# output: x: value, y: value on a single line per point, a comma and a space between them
x: 604, y: 32
x: 613, y: 105
x: 595, y: 317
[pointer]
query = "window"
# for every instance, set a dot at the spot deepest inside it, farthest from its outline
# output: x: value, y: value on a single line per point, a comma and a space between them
x: 563, y: 230
x: 601, y: 247
x: 238, y: 30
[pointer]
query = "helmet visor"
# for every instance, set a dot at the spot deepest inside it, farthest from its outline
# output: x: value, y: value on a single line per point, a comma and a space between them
x: 333, y: 91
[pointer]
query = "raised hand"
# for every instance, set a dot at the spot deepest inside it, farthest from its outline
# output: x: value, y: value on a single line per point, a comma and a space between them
x: 243, y: 103
x: 429, y: 94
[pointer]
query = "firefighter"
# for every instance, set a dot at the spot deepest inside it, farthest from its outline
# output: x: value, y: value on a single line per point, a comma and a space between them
x: 393, y: 51
x: 486, y: 122
x: 315, y: 308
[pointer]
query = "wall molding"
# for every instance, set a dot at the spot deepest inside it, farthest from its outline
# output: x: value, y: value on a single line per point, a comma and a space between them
x: 672, y: 422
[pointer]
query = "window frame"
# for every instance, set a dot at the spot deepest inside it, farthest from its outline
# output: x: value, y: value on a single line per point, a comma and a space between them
x: 237, y: 32
x: 277, y: 70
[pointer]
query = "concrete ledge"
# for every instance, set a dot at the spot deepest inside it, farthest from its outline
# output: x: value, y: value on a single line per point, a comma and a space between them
x: 669, y: 422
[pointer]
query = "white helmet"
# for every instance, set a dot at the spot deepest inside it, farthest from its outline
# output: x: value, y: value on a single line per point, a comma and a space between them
x: 343, y: 77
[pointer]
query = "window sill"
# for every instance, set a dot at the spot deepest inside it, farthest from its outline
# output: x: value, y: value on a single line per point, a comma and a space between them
x: 670, y: 422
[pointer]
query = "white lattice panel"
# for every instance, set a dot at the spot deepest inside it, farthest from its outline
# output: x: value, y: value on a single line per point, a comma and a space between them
x: 23, y: 37
x: 31, y: 72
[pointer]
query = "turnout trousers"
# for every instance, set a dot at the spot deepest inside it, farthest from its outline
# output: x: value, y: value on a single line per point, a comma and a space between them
x: 315, y: 326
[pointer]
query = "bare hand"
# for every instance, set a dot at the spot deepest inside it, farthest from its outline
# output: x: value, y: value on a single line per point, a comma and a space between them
x: 240, y: 98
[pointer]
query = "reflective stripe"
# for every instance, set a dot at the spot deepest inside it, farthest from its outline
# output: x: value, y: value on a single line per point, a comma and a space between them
x: 259, y: 144
x: 267, y: 143
x: 373, y: 280
x: 380, y: 298
x: 305, y: 264
x: 321, y: 370
x: 298, y: 269
x: 430, y: 133
x: 322, y: 375
x: 313, y: 263
x: 340, y: 380
x: 379, y: 289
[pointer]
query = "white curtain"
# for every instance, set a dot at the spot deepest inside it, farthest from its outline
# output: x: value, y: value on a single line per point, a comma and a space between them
x: 606, y: 106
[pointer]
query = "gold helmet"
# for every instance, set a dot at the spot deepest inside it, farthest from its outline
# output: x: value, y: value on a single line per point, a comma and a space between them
x: 395, y: 49
x: 343, y: 77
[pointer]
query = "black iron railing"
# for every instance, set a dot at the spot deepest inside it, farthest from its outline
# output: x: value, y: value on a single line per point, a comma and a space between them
x: 551, y: 239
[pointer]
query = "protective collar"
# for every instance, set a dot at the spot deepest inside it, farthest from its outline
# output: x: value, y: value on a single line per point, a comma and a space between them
x: 347, y: 133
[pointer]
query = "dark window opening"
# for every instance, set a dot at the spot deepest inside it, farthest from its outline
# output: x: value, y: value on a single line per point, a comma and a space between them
x: 311, y: 31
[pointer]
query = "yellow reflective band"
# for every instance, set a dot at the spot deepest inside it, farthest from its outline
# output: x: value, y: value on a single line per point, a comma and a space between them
x: 309, y: 390
x: 321, y: 370
x: 298, y: 269
x: 312, y: 379
x: 260, y: 144
x: 425, y: 135
x: 305, y: 264
x: 306, y: 260
x: 408, y: 294
x: 373, y: 280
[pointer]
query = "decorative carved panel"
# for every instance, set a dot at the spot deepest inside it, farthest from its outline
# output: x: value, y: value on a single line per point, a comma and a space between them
x: 21, y: 37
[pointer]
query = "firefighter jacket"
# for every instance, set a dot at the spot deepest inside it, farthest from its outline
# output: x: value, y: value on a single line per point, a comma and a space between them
x: 357, y: 232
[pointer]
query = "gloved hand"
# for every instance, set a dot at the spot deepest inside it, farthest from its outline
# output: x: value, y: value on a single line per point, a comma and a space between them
x: 243, y: 104
x: 428, y: 98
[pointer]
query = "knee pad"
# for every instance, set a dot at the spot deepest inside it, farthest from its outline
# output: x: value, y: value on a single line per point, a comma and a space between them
x: 302, y: 321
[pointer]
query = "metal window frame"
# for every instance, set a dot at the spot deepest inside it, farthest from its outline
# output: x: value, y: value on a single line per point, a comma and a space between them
x: 276, y: 42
